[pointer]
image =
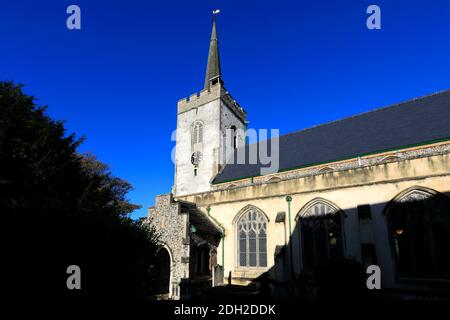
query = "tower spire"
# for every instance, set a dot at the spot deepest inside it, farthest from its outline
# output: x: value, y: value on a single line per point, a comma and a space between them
x: 213, y: 74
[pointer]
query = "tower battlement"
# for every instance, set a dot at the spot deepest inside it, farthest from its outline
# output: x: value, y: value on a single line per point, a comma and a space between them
x: 216, y: 91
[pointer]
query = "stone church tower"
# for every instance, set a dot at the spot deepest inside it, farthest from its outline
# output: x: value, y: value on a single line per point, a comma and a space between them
x: 210, y: 124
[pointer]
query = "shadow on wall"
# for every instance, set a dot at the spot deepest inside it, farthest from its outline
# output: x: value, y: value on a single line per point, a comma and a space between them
x: 407, y: 238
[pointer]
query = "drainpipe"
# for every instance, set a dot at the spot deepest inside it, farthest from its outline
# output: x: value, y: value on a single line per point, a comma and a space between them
x: 223, y: 250
x: 288, y: 200
x: 291, y: 267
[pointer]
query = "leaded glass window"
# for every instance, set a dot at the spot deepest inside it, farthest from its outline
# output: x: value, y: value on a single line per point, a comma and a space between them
x: 252, y: 239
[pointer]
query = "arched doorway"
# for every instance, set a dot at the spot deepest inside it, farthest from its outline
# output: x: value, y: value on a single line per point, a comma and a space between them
x: 162, y: 272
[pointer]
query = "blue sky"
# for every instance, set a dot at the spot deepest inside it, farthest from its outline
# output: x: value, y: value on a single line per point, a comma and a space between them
x: 291, y: 65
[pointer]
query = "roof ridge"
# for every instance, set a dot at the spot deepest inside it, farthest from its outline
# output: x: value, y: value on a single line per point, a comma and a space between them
x: 367, y: 112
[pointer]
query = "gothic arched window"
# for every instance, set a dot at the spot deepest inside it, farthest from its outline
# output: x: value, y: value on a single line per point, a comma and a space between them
x: 321, y: 233
x: 252, y: 239
x: 419, y: 225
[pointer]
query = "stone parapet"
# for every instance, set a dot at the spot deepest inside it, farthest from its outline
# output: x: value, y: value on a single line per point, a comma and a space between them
x: 205, y: 96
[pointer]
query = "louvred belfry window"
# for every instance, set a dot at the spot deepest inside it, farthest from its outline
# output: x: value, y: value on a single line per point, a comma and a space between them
x: 197, y: 133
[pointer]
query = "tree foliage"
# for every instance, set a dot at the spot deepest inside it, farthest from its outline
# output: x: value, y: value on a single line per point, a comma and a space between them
x: 60, y: 208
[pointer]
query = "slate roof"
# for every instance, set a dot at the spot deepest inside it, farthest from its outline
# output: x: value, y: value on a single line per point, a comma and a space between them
x: 418, y: 121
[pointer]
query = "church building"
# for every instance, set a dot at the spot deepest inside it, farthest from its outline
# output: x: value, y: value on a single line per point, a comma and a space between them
x: 372, y: 188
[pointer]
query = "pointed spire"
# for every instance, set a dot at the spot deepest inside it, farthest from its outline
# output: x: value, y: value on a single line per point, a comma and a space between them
x: 213, y: 67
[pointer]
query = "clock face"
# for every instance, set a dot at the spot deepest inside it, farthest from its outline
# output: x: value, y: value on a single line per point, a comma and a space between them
x: 196, y: 158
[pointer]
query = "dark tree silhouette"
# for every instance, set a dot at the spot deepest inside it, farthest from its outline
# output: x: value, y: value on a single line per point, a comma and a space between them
x: 60, y: 208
